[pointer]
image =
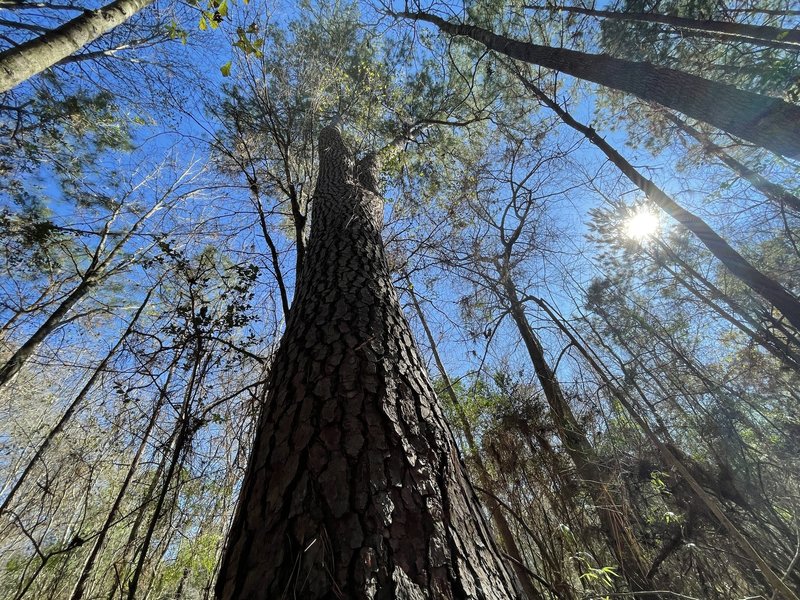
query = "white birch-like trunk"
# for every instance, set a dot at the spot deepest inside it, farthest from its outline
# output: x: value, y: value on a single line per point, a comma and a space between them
x: 34, y: 56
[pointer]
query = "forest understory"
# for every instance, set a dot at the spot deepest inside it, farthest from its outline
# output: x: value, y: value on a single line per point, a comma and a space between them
x: 381, y: 299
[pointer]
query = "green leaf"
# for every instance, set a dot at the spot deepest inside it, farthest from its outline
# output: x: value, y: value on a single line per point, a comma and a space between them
x: 225, y: 69
x: 176, y: 32
x: 202, y: 25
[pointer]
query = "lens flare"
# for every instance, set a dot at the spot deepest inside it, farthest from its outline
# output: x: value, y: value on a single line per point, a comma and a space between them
x: 642, y: 224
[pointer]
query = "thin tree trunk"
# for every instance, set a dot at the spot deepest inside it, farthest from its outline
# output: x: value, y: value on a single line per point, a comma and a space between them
x: 179, y: 443
x: 24, y: 352
x: 764, y: 286
x: 743, y: 321
x: 88, y: 280
x: 99, y: 269
x: 720, y: 392
x: 273, y: 251
x: 26, y: 60
x: 182, y: 583
x: 785, y: 351
x: 354, y: 486
x: 88, y: 565
x: 621, y: 541
x: 34, y: 306
x: 73, y: 406
x: 776, y: 193
x: 767, y: 122
x: 765, y: 11
x: 670, y: 458
x: 485, y: 480
x: 137, y: 523
x: 773, y: 37
x: 182, y: 438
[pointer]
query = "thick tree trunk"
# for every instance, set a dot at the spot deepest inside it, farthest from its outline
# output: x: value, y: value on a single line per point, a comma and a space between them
x: 773, y: 37
x: 355, y: 488
x: 767, y: 122
x: 34, y: 56
x: 738, y: 265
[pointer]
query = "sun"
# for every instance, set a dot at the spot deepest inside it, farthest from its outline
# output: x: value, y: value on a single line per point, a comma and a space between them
x: 642, y: 224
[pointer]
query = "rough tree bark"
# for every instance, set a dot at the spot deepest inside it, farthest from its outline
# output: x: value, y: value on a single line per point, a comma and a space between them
x: 354, y: 488
x: 767, y: 122
x: 34, y: 56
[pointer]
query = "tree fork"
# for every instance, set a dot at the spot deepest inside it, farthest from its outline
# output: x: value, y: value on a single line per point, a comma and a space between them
x: 97, y: 271
x: 354, y: 488
x: 17, y: 360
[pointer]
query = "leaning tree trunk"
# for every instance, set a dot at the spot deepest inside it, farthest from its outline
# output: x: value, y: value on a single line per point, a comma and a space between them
x: 355, y: 488
x: 776, y: 193
x: 73, y: 406
x: 767, y: 122
x: 34, y: 56
x: 763, y: 285
x: 772, y: 37
x: 17, y: 360
x: 595, y: 480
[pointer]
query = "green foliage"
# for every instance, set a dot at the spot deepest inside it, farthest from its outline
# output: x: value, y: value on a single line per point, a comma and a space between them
x: 465, y: 153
